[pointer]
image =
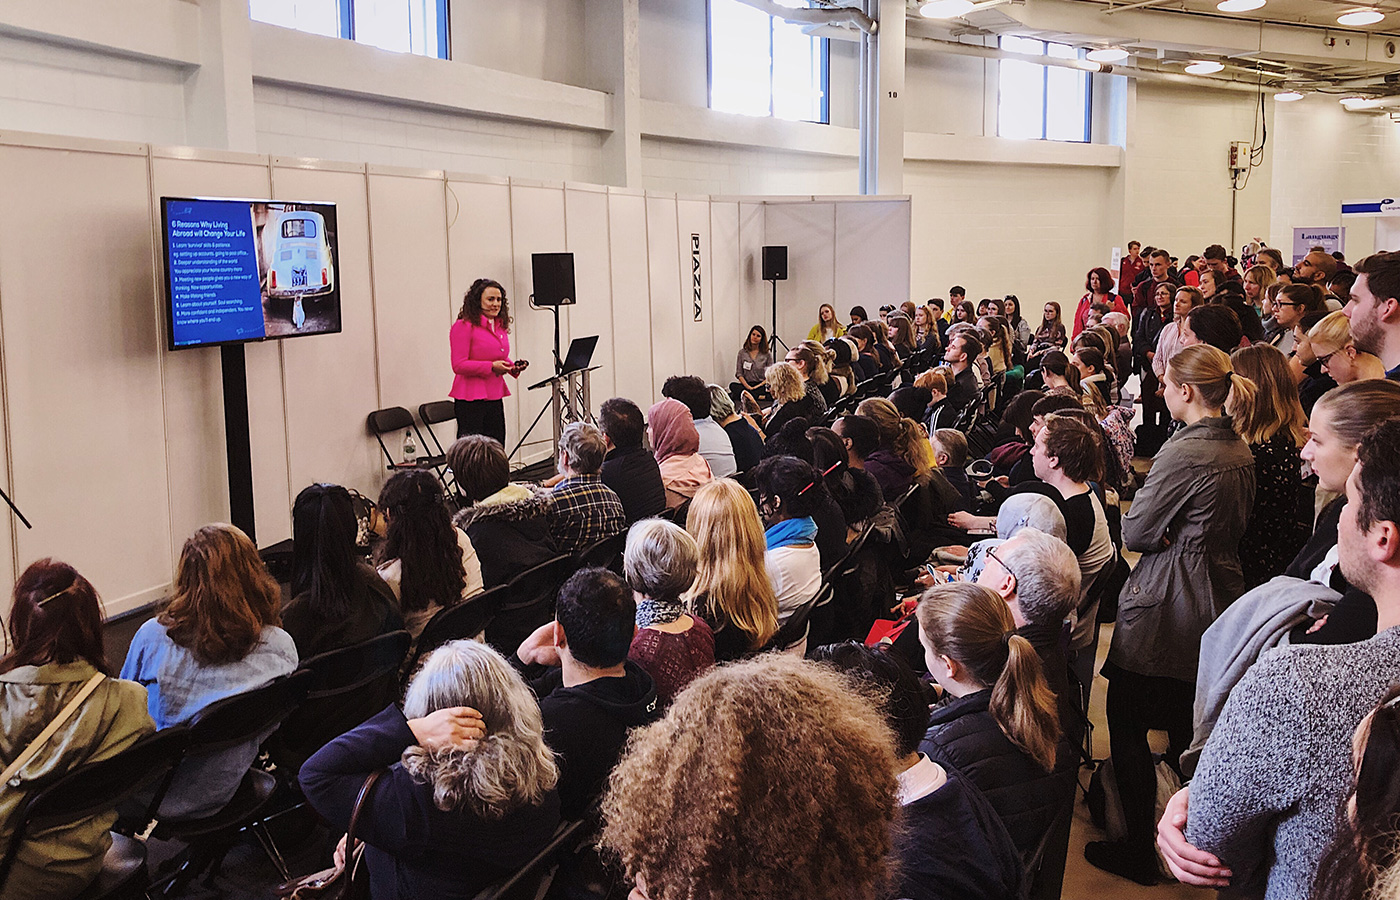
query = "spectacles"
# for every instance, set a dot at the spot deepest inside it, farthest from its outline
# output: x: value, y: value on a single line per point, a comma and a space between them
x: 1322, y: 360
x: 993, y: 554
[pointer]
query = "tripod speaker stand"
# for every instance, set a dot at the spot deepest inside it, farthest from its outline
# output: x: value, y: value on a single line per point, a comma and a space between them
x: 775, y: 270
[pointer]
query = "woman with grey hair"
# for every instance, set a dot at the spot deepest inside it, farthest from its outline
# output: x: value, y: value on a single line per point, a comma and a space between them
x: 1020, y: 511
x: 467, y: 793
x: 660, y: 563
x: 744, y: 434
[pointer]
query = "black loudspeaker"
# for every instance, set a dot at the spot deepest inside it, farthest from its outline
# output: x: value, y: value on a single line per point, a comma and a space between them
x: 775, y: 263
x: 553, y: 279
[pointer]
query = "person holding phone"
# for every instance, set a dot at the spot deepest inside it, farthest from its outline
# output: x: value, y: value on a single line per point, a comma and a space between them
x: 481, y: 359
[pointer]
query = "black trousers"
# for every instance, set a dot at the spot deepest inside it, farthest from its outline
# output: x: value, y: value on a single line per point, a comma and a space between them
x: 486, y: 417
x: 1136, y: 704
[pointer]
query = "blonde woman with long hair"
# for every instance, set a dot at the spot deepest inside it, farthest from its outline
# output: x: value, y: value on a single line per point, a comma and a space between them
x: 1186, y: 521
x: 468, y: 792
x: 1275, y: 428
x: 732, y: 592
x: 1331, y: 342
x: 822, y: 358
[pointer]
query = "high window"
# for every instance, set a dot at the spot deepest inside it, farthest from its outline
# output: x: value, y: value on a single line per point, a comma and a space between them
x: 763, y: 66
x: 405, y: 26
x: 1042, y: 102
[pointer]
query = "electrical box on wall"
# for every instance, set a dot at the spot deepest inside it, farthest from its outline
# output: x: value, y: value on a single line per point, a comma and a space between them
x: 1239, y: 156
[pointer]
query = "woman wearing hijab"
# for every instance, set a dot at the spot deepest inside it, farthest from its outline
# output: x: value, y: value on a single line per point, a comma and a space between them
x: 676, y: 445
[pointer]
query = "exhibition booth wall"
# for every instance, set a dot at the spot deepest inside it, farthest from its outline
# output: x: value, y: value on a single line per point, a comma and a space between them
x: 113, y: 446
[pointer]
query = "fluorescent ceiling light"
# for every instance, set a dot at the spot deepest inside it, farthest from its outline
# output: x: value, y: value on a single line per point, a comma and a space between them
x: 1204, y: 67
x: 1360, y: 17
x: 945, y: 9
x: 1107, y: 54
x: 1361, y: 102
x: 1238, y: 5
x: 1288, y: 96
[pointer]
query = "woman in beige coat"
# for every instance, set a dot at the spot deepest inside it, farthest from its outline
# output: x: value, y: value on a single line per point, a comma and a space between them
x: 55, y: 649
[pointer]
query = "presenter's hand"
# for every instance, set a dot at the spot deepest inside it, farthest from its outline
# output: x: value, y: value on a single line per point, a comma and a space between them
x: 520, y: 366
x: 500, y: 367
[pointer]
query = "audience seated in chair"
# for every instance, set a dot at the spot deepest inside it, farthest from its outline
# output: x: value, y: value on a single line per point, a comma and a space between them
x: 590, y: 693
x: 507, y: 523
x: 628, y: 468
x: 732, y: 592
x: 427, y: 563
x: 55, y: 648
x: 676, y: 444
x: 776, y: 776
x: 952, y: 845
x: 743, y: 432
x: 715, y: 445
x: 786, y: 487
x: 856, y: 492
x: 218, y: 635
x: 672, y: 646
x: 998, y: 724
x: 337, y: 599
x: 468, y: 794
x: 584, y: 510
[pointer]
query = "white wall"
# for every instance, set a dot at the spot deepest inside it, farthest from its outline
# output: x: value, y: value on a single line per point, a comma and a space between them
x: 1325, y: 156
x: 1178, y: 188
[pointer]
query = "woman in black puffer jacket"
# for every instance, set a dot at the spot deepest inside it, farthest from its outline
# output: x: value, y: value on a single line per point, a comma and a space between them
x: 998, y: 723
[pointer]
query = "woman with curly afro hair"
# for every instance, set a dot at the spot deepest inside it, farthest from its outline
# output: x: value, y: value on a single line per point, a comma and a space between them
x: 768, y: 779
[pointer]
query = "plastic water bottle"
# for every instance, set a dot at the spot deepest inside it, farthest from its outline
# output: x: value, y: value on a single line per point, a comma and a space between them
x: 410, y: 449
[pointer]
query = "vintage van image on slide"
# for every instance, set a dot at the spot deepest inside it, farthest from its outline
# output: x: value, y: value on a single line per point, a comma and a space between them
x: 297, y: 261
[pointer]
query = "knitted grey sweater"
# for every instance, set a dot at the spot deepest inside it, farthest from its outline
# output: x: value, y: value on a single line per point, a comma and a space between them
x: 1278, y: 763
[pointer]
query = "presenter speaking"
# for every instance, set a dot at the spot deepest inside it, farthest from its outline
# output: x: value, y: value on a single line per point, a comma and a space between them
x: 481, y: 360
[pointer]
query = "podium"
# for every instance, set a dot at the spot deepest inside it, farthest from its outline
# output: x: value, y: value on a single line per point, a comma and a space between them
x: 571, y: 400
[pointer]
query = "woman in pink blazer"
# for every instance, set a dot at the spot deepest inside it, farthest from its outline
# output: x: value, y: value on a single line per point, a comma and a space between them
x: 481, y: 360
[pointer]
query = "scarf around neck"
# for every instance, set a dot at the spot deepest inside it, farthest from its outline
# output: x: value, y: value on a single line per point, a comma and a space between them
x: 789, y: 532
x: 658, y: 612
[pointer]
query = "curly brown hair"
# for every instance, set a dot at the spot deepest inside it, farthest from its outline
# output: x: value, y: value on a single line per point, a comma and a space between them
x: 471, y: 303
x: 767, y: 779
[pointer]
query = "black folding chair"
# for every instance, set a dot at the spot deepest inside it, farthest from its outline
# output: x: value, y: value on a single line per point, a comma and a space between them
x: 465, y: 619
x: 395, y: 419
x: 532, y: 879
x: 346, y: 687
x: 795, y: 629
x: 91, y: 790
x: 606, y: 553
x: 435, y: 413
x: 221, y: 726
x: 528, y: 603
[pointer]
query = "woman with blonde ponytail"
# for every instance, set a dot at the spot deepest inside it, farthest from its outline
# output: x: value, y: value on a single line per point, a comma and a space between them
x: 903, y: 442
x: 1186, y: 521
x: 997, y: 724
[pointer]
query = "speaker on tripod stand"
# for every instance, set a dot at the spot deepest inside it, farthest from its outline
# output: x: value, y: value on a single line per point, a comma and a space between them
x: 775, y: 269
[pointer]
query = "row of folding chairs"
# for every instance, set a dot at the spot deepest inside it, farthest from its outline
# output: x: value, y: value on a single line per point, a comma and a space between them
x: 396, y: 420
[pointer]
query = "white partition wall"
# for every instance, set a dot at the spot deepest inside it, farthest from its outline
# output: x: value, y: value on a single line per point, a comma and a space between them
x: 114, y: 446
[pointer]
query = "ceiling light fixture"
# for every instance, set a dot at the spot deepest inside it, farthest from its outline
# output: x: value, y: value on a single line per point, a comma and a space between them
x: 1239, y: 5
x: 1365, y: 16
x: 945, y: 9
x: 1204, y: 67
x: 1107, y: 54
x: 1288, y: 96
x: 1353, y: 103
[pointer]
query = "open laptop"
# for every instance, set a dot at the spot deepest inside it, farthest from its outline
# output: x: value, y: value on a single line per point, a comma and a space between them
x: 580, y: 354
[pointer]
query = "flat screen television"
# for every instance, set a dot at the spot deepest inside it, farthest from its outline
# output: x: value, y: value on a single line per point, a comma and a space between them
x: 248, y: 270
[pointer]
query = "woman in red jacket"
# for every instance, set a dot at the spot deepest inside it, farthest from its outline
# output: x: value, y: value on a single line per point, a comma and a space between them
x: 481, y: 360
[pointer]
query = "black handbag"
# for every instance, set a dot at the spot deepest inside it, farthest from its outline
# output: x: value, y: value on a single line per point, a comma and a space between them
x: 350, y: 882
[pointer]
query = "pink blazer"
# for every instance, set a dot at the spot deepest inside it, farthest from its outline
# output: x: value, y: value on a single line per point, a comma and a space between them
x: 474, y: 348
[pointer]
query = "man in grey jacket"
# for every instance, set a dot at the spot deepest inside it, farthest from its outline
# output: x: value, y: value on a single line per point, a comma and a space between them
x: 1264, y: 802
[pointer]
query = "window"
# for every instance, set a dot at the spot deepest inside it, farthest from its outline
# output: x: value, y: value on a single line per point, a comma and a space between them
x: 1042, y: 102
x: 405, y: 26
x: 762, y: 66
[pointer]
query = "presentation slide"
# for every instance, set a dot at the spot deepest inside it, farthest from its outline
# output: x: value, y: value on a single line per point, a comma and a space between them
x: 241, y: 270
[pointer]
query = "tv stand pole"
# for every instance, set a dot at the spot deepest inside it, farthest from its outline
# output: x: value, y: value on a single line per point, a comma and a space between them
x: 237, y: 443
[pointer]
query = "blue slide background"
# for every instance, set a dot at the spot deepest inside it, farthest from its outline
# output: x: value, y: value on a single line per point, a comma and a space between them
x: 212, y: 264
